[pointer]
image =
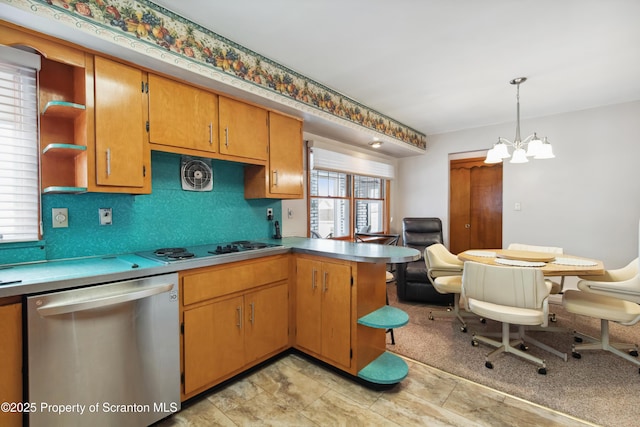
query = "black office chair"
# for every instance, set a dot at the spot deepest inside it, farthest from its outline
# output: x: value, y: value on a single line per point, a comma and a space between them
x: 412, y: 281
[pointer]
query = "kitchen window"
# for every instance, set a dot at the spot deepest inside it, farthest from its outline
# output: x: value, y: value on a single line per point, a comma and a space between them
x: 348, y: 191
x: 341, y: 204
x: 19, y: 189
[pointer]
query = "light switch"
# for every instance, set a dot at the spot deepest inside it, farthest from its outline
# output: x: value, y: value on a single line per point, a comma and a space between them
x: 60, y: 217
x: 517, y: 206
x: 105, y: 216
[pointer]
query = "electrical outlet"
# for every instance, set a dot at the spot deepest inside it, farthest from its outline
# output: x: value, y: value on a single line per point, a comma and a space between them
x: 60, y: 217
x: 269, y: 214
x: 105, y: 216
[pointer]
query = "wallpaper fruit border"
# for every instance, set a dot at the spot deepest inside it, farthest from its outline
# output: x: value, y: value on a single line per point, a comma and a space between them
x: 147, y: 22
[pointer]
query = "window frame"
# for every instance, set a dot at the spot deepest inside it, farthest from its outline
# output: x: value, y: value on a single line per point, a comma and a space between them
x: 385, y: 189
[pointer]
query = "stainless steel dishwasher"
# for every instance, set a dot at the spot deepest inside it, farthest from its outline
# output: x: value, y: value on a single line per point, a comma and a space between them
x: 105, y: 355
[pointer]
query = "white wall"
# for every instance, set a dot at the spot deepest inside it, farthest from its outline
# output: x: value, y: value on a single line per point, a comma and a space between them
x: 586, y: 200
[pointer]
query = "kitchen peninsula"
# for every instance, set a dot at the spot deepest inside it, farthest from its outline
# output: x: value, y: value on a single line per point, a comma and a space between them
x: 239, y: 309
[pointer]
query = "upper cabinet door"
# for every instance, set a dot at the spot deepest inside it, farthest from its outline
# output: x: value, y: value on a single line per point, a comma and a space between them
x: 243, y: 130
x: 182, y: 116
x: 285, y: 155
x: 119, y: 125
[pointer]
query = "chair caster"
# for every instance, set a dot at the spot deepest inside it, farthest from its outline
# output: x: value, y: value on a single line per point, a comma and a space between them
x: 488, y: 365
x: 542, y: 371
x: 523, y: 347
x: 576, y: 355
x: 577, y: 339
x: 474, y: 343
x: 430, y: 316
x: 633, y: 353
x: 463, y: 329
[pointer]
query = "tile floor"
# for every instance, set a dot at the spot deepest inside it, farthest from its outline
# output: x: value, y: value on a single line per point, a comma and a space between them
x: 293, y: 391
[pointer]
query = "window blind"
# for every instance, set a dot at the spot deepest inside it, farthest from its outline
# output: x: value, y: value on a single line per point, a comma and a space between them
x: 19, y: 190
x: 324, y: 159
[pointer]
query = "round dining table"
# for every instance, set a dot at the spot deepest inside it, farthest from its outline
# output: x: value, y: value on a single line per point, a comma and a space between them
x: 551, y: 264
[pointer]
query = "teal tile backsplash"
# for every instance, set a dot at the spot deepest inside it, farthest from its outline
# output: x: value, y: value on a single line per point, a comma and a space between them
x: 169, y: 216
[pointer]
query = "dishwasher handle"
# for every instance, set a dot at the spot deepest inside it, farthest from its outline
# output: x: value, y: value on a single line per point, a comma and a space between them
x: 105, y: 301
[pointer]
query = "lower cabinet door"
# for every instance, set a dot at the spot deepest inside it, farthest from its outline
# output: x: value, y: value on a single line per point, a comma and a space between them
x: 323, y: 310
x: 308, y: 305
x: 336, y: 313
x: 267, y: 319
x: 213, y: 342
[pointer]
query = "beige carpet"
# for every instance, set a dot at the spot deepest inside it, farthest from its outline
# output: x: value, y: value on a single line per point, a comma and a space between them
x: 600, y: 387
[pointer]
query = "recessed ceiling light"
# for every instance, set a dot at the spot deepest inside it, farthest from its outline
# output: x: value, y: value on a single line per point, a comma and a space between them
x: 375, y: 144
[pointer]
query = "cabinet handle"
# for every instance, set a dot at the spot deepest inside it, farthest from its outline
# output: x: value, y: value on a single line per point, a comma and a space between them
x: 313, y: 279
x: 239, y: 324
x: 467, y: 226
x: 275, y: 176
x: 253, y: 312
x: 108, y: 161
x: 325, y: 287
x: 210, y: 133
x: 226, y: 136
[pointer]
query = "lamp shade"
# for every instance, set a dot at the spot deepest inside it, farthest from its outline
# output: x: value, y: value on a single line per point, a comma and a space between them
x: 545, y: 151
x: 519, y: 156
x: 501, y: 150
x: 493, y: 156
x: 533, y: 148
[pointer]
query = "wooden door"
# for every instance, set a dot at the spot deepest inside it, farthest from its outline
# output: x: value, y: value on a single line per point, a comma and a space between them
x: 243, y: 129
x: 119, y: 125
x: 475, y: 205
x: 267, y: 320
x: 182, y: 116
x: 285, y: 155
x: 213, y: 342
x: 308, y: 327
x: 486, y: 207
x: 336, y: 313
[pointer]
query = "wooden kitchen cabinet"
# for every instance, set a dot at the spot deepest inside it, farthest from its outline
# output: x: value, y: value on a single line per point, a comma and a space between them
x: 182, y: 116
x: 92, y: 135
x: 213, y: 342
x: 10, y: 360
x: 243, y: 130
x: 323, y: 309
x: 267, y: 317
x: 282, y: 176
x: 122, y: 155
x: 234, y: 316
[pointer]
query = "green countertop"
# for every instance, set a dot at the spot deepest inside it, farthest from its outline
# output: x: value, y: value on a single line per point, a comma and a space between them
x: 30, y: 278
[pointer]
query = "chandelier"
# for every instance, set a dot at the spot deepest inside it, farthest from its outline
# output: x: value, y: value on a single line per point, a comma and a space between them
x: 535, y: 147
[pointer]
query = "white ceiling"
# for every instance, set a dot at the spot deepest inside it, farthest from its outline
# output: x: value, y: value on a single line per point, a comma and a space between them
x: 440, y: 66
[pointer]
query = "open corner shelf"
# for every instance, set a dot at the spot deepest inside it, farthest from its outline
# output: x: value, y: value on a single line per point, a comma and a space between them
x: 63, y: 190
x: 62, y: 109
x: 385, y: 317
x: 385, y: 369
x: 64, y: 149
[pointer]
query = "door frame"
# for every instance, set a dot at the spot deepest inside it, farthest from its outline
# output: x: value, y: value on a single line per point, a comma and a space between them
x: 461, y: 158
